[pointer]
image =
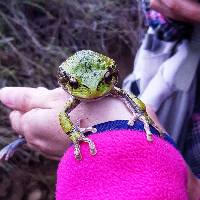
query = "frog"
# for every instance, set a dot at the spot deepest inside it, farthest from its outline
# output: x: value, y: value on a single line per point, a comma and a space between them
x: 90, y: 76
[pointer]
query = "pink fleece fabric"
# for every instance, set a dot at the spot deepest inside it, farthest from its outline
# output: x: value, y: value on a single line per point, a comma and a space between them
x: 126, y: 166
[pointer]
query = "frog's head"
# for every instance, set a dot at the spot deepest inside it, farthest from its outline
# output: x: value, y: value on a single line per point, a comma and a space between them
x: 87, y: 75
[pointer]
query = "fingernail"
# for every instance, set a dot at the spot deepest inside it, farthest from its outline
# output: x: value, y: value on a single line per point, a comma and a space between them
x: 6, y: 98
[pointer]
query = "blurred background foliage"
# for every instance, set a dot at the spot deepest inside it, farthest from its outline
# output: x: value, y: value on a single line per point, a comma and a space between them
x: 35, y: 37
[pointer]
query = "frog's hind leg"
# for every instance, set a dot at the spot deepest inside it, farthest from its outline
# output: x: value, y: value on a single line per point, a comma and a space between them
x: 147, y: 128
x: 138, y: 110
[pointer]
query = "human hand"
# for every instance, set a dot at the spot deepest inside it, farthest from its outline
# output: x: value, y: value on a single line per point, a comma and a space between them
x: 184, y: 10
x: 35, y: 116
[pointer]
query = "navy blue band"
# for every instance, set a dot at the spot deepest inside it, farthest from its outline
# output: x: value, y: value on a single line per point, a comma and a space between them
x: 123, y: 125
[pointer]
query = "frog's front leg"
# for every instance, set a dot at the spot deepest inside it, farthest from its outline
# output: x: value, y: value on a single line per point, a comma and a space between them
x: 75, y: 133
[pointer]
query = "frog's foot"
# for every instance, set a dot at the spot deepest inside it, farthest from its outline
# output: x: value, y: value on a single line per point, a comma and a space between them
x: 8, y: 151
x: 91, y: 144
x: 80, y: 137
x: 149, y: 134
x: 132, y: 120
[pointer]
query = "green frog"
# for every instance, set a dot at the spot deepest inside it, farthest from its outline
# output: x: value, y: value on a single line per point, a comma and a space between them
x: 88, y: 75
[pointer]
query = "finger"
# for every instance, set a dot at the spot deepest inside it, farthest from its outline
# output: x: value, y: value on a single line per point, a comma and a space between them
x: 58, y: 98
x: 42, y: 130
x: 25, y: 99
x: 22, y: 98
x: 15, y: 120
x: 41, y: 124
x: 45, y: 154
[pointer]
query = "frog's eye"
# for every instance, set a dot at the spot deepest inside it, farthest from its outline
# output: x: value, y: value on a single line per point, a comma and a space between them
x: 73, y: 83
x: 109, y: 75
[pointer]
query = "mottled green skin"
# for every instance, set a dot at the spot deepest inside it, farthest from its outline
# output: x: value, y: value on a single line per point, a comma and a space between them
x: 88, y: 68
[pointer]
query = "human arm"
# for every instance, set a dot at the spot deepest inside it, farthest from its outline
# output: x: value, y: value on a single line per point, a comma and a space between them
x: 184, y: 10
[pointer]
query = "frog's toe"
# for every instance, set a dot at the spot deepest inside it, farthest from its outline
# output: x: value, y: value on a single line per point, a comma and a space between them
x: 92, y: 146
x: 78, y: 156
x: 93, y: 150
x: 149, y: 137
x: 77, y: 152
x: 93, y: 130
x: 131, y: 121
x: 89, y: 129
x: 149, y: 134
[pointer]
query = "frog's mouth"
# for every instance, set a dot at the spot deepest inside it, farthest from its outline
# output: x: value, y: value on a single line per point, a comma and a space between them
x: 85, y: 93
x: 91, y: 95
x: 92, y: 98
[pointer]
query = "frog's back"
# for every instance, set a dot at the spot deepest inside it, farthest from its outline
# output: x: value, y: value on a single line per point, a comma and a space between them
x: 86, y: 61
